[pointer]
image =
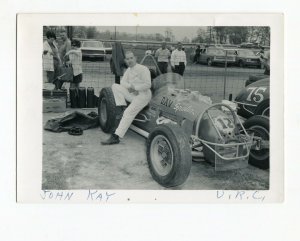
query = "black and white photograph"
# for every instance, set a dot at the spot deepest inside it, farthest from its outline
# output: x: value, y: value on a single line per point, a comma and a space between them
x: 155, y: 108
x: 149, y: 120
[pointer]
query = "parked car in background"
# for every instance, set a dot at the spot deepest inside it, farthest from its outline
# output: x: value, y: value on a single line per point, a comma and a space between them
x: 249, y: 45
x: 212, y: 56
x: 108, y: 47
x: 93, y: 49
x: 246, y: 57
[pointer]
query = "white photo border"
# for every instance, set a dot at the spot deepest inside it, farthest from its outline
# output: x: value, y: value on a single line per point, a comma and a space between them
x: 29, y: 99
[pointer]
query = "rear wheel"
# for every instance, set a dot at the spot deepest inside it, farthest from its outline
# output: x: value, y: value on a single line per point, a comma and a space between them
x: 169, y: 155
x: 259, y: 126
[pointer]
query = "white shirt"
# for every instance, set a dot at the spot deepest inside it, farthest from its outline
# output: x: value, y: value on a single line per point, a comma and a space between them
x: 139, y: 76
x: 162, y: 55
x: 177, y: 57
x: 48, y: 57
x: 75, y: 57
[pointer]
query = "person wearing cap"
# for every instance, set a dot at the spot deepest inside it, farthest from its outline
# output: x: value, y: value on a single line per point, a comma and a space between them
x: 135, y: 88
x: 75, y: 60
x: 178, y: 60
x: 162, y: 55
x: 51, y: 58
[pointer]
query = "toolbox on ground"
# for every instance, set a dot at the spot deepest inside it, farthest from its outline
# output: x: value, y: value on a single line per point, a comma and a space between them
x: 55, y: 93
x: 57, y: 104
x: 54, y: 100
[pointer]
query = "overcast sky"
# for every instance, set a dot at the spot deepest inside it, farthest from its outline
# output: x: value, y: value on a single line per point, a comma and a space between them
x: 179, y: 32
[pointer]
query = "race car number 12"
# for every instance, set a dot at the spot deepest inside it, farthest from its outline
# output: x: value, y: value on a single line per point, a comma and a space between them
x: 255, y: 94
x: 224, y: 124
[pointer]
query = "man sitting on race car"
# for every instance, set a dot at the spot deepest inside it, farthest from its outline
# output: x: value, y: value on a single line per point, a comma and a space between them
x: 135, y: 88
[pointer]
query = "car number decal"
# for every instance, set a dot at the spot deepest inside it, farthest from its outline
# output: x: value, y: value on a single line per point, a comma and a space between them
x: 255, y: 94
x: 224, y: 124
x: 167, y: 102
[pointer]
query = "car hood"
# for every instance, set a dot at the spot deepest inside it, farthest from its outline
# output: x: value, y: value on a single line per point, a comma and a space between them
x: 244, y: 95
x: 178, y: 102
x: 91, y: 48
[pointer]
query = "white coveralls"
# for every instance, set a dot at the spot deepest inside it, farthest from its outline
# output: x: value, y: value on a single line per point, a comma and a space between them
x: 139, y: 77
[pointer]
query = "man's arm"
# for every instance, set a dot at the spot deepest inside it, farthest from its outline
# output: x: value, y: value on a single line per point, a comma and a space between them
x: 173, y: 59
x: 124, y: 80
x: 156, y: 53
x: 72, y: 51
x: 184, y: 58
x: 68, y: 45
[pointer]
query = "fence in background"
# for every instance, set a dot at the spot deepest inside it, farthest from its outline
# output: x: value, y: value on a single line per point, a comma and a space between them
x: 217, y: 81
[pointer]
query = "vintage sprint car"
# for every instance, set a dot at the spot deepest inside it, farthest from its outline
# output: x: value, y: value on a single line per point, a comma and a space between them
x: 254, y: 99
x: 181, y: 125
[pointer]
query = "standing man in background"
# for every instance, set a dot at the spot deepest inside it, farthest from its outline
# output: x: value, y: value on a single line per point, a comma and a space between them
x: 178, y: 60
x: 197, y: 55
x: 66, y: 44
x: 162, y: 56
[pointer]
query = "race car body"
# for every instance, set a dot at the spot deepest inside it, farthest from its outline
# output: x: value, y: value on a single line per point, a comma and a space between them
x: 254, y: 99
x: 181, y: 125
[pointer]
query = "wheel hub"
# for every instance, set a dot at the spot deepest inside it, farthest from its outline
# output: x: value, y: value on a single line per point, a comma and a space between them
x: 161, y: 155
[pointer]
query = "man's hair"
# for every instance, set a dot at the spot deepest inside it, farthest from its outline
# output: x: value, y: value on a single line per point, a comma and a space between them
x: 50, y: 34
x: 129, y: 52
x: 75, y: 43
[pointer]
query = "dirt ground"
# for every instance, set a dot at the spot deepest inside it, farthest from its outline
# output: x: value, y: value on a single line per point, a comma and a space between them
x: 81, y: 162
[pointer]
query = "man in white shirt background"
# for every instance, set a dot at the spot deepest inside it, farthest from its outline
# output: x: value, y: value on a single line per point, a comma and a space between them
x: 162, y: 55
x: 135, y: 88
x: 178, y: 60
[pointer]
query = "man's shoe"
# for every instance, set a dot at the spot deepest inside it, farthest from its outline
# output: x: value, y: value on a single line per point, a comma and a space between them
x: 113, y: 139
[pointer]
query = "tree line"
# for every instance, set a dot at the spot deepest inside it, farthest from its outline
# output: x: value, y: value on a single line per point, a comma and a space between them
x: 209, y: 35
x: 233, y: 35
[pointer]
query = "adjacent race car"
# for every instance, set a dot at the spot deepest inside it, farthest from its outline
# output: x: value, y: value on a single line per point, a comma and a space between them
x: 181, y: 125
x: 254, y: 99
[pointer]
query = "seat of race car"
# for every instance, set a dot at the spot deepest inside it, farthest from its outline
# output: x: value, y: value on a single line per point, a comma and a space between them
x: 153, y: 74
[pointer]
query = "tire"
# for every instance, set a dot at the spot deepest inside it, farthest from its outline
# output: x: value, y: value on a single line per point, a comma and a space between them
x: 260, y: 126
x: 263, y: 108
x: 173, y: 169
x: 209, y: 62
x: 108, y: 120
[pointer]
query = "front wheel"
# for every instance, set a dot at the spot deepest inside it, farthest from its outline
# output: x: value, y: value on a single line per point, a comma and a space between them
x: 169, y: 155
x: 259, y: 126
